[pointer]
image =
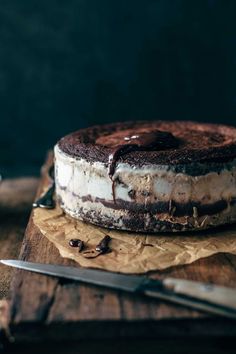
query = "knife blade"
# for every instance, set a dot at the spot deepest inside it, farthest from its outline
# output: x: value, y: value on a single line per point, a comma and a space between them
x: 209, y: 298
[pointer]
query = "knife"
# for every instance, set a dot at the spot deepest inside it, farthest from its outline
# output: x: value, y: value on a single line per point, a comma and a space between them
x: 209, y: 298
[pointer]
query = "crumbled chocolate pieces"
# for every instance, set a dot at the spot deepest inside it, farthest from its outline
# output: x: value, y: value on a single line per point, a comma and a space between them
x: 75, y: 242
x: 103, y: 246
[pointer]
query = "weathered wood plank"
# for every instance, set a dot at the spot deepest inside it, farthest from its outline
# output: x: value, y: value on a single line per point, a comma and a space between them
x: 16, y: 196
x: 65, y: 308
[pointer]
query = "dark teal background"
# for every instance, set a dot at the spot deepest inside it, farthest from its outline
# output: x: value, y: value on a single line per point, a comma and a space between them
x: 70, y: 64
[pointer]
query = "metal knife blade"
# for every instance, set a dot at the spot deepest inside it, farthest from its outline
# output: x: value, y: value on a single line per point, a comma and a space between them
x: 91, y: 276
x: 208, y: 298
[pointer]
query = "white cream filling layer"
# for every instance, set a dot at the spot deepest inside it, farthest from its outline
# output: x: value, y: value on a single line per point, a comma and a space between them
x: 151, y: 184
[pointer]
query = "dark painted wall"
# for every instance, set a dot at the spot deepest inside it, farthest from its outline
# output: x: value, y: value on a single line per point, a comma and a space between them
x: 69, y: 64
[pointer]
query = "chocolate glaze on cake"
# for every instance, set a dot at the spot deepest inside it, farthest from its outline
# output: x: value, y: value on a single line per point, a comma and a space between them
x: 147, y: 141
x: 142, y: 141
x: 149, y: 176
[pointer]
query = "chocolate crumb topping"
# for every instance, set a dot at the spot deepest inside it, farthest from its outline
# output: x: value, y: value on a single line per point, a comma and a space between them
x: 198, y: 142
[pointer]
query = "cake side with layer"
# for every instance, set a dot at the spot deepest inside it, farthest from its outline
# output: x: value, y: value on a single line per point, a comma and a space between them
x: 148, y: 196
x: 152, y: 194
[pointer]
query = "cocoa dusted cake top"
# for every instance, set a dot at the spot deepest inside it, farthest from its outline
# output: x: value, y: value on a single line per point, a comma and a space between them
x: 157, y: 142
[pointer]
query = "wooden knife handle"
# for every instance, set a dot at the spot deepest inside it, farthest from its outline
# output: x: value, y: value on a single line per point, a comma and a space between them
x: 191, y: 302
x: 214, y: 294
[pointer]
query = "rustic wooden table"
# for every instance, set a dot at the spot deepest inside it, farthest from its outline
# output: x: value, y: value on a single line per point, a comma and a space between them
x: 46, y: 314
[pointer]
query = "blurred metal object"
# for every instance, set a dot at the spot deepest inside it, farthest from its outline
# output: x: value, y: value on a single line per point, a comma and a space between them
x: 47, y: 201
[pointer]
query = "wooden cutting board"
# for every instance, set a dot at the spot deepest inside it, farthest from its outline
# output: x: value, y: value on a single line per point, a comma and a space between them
x: 43, y: 307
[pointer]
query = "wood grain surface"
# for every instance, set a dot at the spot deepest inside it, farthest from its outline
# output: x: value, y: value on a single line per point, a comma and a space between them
x: 46, y: 308
x: 16, y: 196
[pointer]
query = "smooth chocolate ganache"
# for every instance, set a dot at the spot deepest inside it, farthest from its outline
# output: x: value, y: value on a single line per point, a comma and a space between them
x: 149, y: 176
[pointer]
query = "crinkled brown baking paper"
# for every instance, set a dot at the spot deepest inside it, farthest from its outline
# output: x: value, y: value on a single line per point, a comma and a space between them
x: 131, y: 252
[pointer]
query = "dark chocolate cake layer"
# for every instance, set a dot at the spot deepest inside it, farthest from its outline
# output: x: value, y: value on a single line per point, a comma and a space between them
x: 196, y: 143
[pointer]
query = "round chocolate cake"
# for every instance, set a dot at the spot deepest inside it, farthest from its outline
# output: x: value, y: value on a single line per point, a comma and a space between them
x: 149, y: 176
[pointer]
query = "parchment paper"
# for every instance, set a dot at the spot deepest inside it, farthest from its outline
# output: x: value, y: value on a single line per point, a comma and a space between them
x: 131, y: 252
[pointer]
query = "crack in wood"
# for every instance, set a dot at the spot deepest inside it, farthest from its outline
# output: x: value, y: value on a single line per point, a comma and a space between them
x: 44, y: 311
